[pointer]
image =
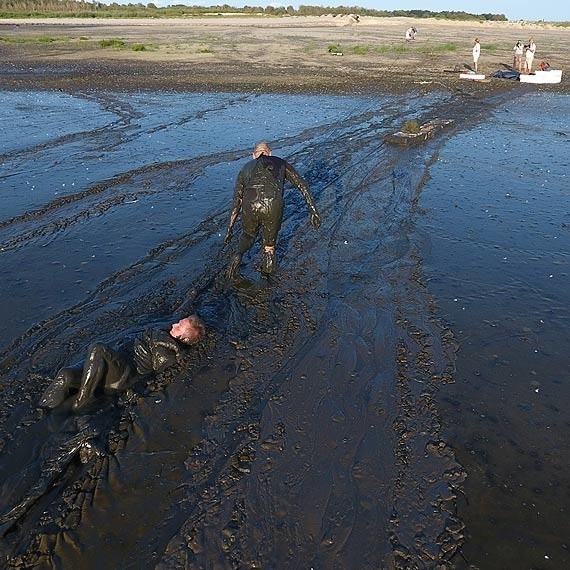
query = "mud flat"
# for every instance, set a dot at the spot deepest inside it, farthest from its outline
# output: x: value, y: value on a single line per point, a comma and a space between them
x: 306, y: 431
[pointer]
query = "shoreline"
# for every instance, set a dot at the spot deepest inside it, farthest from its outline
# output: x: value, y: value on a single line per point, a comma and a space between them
x: 288, y: 55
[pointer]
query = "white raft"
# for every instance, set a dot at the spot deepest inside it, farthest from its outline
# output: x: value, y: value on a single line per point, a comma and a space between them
x: 539, y: 76
x: 475, y: 76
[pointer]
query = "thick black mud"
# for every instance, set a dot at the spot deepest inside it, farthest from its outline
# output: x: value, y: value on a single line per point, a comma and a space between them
x: 304, y: 432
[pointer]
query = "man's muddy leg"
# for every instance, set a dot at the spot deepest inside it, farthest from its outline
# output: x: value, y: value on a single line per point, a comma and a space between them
x: 268, y: 262
x: 59, y: 389
x: 245, y: 243
x: 271, y: 228
x: 104, y: 366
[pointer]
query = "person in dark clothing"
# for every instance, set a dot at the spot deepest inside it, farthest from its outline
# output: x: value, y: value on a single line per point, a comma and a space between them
x: 116, y: 369
x: 258, y: 195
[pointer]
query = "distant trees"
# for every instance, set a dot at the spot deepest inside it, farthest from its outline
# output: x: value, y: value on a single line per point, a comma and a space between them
x: 78, y: 8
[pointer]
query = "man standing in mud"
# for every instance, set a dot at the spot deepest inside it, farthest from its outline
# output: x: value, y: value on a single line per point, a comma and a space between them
x: 116, y: 369
x: 258, y: 195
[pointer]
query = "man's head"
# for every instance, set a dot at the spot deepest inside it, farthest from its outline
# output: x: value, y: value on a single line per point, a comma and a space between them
x: 261, y: 148
x: 188, y: 330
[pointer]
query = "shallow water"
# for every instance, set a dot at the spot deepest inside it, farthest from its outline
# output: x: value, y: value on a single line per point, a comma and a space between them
x: 305, y: 433
x: 497, y: 218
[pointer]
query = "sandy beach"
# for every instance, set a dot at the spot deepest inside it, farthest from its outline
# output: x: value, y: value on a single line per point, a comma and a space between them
x: 266, y: 54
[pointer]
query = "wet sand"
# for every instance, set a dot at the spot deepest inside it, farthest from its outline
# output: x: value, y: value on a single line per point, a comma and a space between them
x: 306, y: 431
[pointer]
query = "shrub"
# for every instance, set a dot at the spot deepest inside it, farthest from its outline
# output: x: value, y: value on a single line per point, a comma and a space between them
x: 112, y: 43
x: 359, y: 50
x: 411, y: 127
x: 392, y: 48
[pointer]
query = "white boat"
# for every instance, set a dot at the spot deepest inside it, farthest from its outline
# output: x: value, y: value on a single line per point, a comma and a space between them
x: 539, y: 76
x: 475, y: 76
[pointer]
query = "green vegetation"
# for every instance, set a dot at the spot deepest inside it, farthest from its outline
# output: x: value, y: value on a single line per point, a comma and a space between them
x: 359, y: 50
x: 82, y: 9
x: 32, y: 40
x: 411, y: 127
x: 112, y: 43
x: 138, y: 47
x: 391, y: 48
x: 436, y: 48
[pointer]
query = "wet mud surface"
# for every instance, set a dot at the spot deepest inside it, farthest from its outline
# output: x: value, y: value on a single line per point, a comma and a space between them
x: 499, y: 272
x: 307, y: 429
x: 304, y: 432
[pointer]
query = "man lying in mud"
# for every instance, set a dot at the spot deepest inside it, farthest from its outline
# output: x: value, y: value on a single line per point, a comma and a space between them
x: 258, y: 194
x: 117, y: 369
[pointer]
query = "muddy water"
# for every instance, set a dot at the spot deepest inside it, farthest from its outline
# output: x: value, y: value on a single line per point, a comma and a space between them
x: 497, y: 219
x: 304, y: 432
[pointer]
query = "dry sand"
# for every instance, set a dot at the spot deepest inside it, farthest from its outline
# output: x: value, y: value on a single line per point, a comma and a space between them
x: 266, y: 54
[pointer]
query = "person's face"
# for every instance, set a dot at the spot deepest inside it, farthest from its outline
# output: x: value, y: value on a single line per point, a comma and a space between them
x: 186, y: 330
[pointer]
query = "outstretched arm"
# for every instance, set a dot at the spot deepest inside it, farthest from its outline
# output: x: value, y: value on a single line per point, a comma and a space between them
x: 295, y: 178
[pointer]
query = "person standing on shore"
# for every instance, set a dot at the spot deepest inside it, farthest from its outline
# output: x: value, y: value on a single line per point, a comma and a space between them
x: 258, y: 195
x: 529, y: 56
x: 476, y: 53
x: 532, y: 46
x: 517, y: 58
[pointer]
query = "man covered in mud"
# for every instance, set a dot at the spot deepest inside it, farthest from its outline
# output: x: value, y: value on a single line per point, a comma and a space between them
x: 258, y: 195
x: 116, y: 369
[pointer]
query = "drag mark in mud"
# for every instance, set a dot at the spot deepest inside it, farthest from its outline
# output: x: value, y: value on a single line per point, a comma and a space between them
x: 305, y: 430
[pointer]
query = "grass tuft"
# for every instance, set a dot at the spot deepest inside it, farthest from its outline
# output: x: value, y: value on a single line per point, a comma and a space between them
x: 112, y: 43
x: 411, y: 127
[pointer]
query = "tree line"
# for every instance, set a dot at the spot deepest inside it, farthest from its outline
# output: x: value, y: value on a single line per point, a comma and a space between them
x: 82, y: 9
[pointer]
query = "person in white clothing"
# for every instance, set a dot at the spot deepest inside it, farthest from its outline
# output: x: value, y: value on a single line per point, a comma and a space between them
x: 528, y: 59
x: 530, y: 49
x: 476, y: 53
x: 532, y: 46
x: 517, y: 58
x: 411, y: 34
